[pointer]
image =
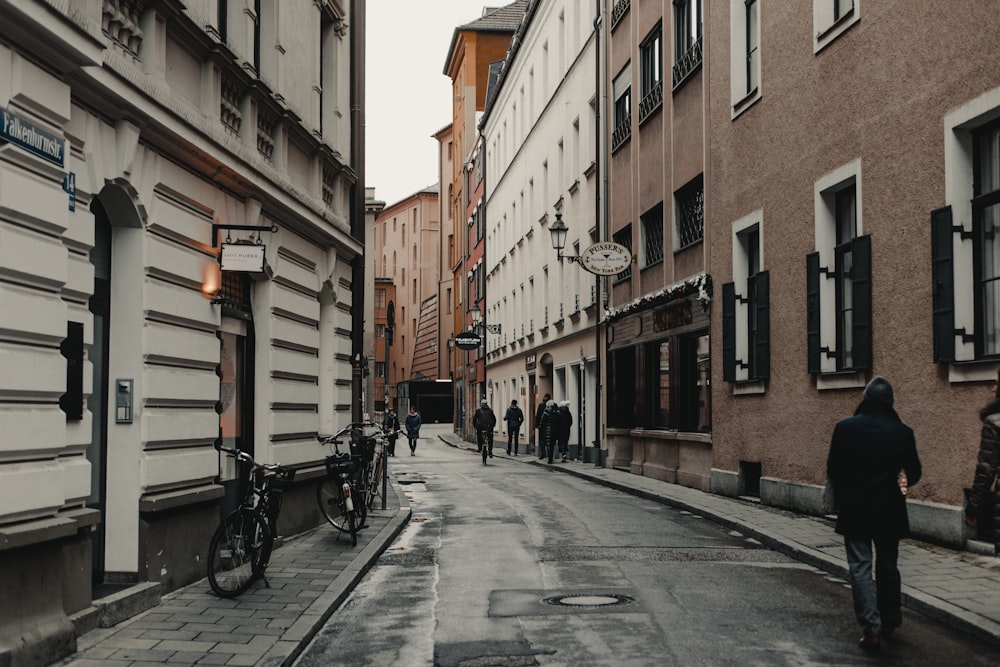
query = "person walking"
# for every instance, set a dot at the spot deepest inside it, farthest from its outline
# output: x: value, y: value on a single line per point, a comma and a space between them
x: 873, y: 455
x: 539, y: 410
x: 547, y: 430
x: 484, y: 421
x: 391, y: 426
x: 413, y: 423
x: 514, y: 418
x: 564, y: 424
x: 984, y: 499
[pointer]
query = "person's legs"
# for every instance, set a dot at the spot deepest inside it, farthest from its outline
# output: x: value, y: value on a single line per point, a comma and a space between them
x: 413, y: 446
x: 888, y: 584
x: 859, y: 562
x: 510, y: 439
x: 517, y: 436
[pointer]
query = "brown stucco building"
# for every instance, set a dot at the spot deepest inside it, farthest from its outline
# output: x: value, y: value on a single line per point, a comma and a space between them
x: 852, y: 216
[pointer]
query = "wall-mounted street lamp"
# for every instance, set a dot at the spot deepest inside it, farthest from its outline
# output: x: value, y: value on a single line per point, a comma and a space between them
x: 559, y: 230
x: 477, y: 321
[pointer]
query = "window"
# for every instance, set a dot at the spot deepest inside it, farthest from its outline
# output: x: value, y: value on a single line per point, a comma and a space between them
x: 687, y: 39
x: 690, y: 213
x: 652, y: 232
x: 380, y: 293
x: 622, y: 90
x: 746, y: 345
x: 651, y: 59
x: 744, y: 33
x: 839, y: 280
x: 831, y: 18
x: 624, y: 237
x: 380, y: 331
x: 966, y: 256
x: 663, y: 384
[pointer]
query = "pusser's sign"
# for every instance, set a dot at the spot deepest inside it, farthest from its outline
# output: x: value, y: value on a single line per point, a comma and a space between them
x: 33, y: 139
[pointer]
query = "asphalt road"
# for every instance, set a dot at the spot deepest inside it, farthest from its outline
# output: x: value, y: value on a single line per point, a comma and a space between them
x: 513, y: 564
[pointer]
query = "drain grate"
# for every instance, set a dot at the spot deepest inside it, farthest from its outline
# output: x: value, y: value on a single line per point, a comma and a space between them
x: 589, y: 600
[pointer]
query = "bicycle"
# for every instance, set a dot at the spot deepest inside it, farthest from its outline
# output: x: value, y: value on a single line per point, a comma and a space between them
x: 485, y: 443
x: 375, y: 467
x: 336, y: 492
x: 240, y: 549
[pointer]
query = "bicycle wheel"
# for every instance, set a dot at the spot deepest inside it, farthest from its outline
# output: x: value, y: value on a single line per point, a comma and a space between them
x: 330, y: 504
x: 375, y: 483
x: 237, y: 553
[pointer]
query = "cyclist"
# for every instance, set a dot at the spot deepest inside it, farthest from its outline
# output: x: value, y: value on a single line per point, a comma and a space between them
x: 484, y: 421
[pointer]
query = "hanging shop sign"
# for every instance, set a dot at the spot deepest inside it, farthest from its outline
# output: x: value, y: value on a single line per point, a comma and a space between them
x: 606, y: 258
x: 469, y: 340
x: 242, y: 257
x: 31, y: 138
x: 529, y: 362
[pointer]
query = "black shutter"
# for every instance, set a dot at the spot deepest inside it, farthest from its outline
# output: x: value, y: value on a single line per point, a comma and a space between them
x: 72, y: 349
x: 943, y: 285
x: 812, y: 310
x: 729, y: 332
x: 762, y: 343
x: 861, y: 299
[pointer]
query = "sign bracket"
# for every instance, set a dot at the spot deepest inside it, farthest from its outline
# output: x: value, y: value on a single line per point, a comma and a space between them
x: 254, y: 228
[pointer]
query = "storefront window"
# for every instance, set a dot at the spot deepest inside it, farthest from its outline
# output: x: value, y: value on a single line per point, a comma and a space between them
x: 661, y: 407
x: 672, y: 389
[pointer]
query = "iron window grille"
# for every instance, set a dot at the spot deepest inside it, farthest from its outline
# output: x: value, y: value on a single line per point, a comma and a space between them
x: 691, y: 213
x: 624, y: 237
x: 652, y: 231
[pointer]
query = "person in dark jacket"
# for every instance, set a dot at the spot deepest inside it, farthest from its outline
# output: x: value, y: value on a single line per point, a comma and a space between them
x: 391, y: 426
x: 514, y: 418
x: 538, y: 423
x: 413, y: 424
x: 484, y: 421
x: 868, y: 454
x: 547, y: 430
x: 564, y: 423
x: 985, y: 494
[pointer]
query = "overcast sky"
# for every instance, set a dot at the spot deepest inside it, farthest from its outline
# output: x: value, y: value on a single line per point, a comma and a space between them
x: 407, y: 98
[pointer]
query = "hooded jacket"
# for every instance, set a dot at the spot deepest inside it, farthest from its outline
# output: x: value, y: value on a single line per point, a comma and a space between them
x: 547, y: 423
x: 987, y: 469
x: 564, y: 421
x: 867, y: 452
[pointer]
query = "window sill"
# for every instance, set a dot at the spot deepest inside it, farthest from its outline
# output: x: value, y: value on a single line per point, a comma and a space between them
x: 972, y: 371
x: 651, y: 265
x: 749, y: 387
x: 841, y: 380
x: 829, y: 34
x: 746, y: 102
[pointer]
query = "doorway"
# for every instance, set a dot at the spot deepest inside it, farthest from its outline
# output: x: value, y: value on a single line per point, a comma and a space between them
x: 236, y: 363
x: 97, y: 453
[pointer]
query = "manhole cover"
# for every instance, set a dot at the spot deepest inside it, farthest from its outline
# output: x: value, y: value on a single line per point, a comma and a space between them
x: 598, y: 600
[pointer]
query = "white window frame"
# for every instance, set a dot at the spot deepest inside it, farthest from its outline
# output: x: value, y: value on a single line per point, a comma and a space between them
x: 741, y: 275
x: 958, y: 174
x: 827, y: 27
x: 825, y: 217
x: 742, y: 99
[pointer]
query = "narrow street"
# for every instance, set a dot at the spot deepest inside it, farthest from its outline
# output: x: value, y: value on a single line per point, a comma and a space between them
x: 513, y: 564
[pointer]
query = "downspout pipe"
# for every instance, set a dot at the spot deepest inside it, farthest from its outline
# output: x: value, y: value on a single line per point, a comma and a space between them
x: 357, y: 205
x: 601, y: 218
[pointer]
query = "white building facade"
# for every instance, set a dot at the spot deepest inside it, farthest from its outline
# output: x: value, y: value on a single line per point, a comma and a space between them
x: 540, y: 132
x: 140, y: 140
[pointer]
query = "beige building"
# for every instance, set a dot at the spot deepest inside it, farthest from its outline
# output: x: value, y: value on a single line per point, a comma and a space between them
x: 181, y: 234
x: 852, y: 206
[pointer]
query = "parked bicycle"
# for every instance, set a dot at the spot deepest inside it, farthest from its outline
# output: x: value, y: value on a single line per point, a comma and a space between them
x: 375, y: 468
x: 241, y: 546
x: 337, y: 492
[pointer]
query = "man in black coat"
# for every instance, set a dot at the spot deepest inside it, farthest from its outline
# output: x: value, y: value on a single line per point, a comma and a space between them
x: 539, y: 411
x: 868, y: 454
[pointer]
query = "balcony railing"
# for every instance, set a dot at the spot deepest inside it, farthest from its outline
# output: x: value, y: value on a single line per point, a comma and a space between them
x: 621, y: 133
x: 651, y: 102
x: 688, y: 63
x: 618, y: 11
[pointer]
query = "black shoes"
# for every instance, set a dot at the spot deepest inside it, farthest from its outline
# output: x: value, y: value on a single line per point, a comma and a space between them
x: 891, y: 624
x: 873, y: 643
